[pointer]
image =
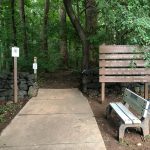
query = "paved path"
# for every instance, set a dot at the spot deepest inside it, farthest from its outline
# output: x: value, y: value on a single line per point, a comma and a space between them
x: 57, y: 119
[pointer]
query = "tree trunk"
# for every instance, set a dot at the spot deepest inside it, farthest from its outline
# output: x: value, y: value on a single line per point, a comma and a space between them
x: 23, y: 20
x: 80, y: 31
x: 78, y: 9
x: 13, y: 22
x: 91, y: 17
x: 45, y: 27
x: 0, y: 4
x: 91, y: 25
x: 63, y: 36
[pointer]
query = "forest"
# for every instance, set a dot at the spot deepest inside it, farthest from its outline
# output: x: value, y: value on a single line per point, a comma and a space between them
x: 66, y: 34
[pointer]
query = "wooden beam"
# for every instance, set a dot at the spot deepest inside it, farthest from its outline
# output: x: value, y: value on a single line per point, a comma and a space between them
x: 121, y: 56
x: 102, y: 92
x: 15, y: 81
x: 121, y: 63
x: 143, y: 79
x: 124, y: 71
x: 118, y: 49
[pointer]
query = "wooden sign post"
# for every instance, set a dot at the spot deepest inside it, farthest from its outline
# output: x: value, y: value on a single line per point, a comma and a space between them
x: 35, y: 67
x: 15, y: 54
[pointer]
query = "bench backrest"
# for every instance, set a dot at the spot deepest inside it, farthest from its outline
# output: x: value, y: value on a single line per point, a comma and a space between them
x: 139, y: 104
x: 120, y: 63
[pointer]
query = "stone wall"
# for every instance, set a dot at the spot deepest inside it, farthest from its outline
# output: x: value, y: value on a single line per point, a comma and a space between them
x: 25, y: 82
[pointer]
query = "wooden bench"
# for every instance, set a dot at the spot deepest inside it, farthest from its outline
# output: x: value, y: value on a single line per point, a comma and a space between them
x: 122, y: 63
x: 128, y: 119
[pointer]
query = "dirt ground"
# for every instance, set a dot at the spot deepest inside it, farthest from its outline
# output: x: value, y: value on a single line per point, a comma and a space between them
x: 109, y: 128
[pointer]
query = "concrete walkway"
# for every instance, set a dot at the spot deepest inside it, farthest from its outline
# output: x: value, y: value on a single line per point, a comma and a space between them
x: 57, y: 119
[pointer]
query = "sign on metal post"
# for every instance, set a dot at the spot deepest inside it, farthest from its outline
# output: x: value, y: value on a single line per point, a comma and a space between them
x: 35, y: 67
x: 15, y: 54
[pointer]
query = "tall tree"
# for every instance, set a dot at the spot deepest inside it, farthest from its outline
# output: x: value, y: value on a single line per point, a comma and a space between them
x: 14, y: 40
x: 45, y: 26
x: 91, y: 21
x: 0, y: 3
x: 80, y: 31
x: 63, y: 35
x: 91, y: 16
x: 23, y: 20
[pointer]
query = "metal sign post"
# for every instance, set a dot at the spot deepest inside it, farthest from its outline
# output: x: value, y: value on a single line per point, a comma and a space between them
x: 15, y: 54
x: 35, y: 67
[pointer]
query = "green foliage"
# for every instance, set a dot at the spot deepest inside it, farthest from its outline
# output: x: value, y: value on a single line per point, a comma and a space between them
x: 126, y: 22
x: 118, y: 22
x: 7, y: 111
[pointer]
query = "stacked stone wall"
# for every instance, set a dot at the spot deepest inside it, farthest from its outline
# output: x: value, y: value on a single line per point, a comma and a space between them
x: 25, y: 82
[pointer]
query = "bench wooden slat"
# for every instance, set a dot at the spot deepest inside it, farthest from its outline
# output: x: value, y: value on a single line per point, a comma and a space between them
x: 121, y: 56
x: 130, y: 115
x: 120, y: 63
x: 124, y: 118
x: 124, y: 71
x: 129, y: 94
x: 112, y: 79
x: 119, y: 49
x: 139, y: 104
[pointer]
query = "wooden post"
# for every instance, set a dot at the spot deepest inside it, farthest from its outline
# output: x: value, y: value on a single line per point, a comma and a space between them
x: 146, y: 91
x: 103, y: 86
x: 35, y: 68
x: 103, y: 92
x: 15, y: 54
x: 15, y: 81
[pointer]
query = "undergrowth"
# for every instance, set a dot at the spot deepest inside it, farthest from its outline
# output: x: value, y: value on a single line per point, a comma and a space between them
x: 7, y: 111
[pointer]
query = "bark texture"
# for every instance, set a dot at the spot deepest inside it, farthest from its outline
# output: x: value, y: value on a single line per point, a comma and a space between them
x: 80, y: 31
x: 91, y: 14
x: 45, y: 26
x: 23, y: 20
x: 63, y: 36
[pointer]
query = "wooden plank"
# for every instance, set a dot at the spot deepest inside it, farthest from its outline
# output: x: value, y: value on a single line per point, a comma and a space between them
x: 130, y: 115
x: 118, y: 49
x: 137, y: 102
x: 143, y: 102
x: 124, y: 79
x: 120, y: 56
x: 146, y: 91
x: 15, y: 81
x: 120, y: 63
x: 124, y: 71
x: 123, y: 117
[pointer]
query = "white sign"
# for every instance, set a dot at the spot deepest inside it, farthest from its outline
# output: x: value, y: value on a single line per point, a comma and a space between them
x: 35, y: 66
x: 15, y: 52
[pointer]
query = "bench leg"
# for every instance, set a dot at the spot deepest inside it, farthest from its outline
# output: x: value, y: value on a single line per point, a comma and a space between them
x: 108, y: 111
x: 121, y: 132
x: 145, y: 127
